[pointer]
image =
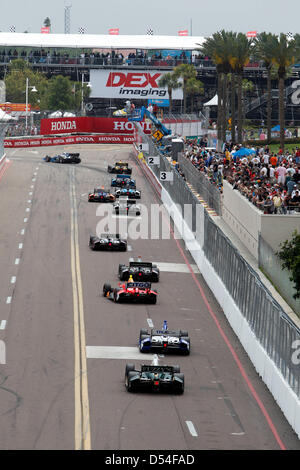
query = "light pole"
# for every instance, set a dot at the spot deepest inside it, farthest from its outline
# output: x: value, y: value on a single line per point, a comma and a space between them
x: 32, y: 89
x: 88, y: 85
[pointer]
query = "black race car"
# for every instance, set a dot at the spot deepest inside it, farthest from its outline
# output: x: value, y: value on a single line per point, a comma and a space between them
x: 64, y: 157
x: 101, y: 195
x: 125, y: 206
x: 164, y: 341
x: 128, y: 192
x: 139, y: 271
x: 138, y: 292
x: 154, y: 378
x: 120, y: 167
x: 107, y: 242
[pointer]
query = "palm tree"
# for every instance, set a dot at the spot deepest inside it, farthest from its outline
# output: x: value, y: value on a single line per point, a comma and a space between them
x: 263, y: 50
x: 194, y: 87
x: 184, y: 71
x: 283, y: 55
x: 219, y: 48
x: 241, y: 52
x: 169, y: 81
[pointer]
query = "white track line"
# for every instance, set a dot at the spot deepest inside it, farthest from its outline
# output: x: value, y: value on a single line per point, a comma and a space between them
x: 8, y: 300
x: 3, y: 325
x: 150, y: 323
x: 17, y: 261
x: 191, y: 428
x: 13, y: 280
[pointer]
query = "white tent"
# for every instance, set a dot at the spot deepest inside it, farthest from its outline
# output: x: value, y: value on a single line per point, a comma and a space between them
x: 6, y: 117
x: 102, y: 41
x: 212, y: 102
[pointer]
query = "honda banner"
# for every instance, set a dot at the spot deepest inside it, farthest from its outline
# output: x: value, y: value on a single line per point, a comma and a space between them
x: 78, y: 139
x: 91, y: 125
x: 132, y: 85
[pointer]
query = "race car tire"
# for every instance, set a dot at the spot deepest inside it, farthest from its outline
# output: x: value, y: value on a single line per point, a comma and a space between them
x: 128, y: 383
x: 176, y: 369
x: 143, y: 331
x: 153, y: 300
x: 183, y: 333
x: 109, y: 169
x: 47, y: 158
x: 106, y: 288
x: 116, y: 295
x: 129, y: 367
x: 60, y: 160
x: 180, y: 388
x: 186, y: 351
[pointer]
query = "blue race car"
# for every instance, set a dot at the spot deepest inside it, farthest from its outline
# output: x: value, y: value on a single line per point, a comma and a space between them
x: 131, y: 193
x: 164, y: 341
x: 123, y: 181
x: 64, y: 157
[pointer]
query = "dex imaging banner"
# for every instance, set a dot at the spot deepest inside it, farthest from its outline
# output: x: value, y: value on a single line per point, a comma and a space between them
x: 132, y: 85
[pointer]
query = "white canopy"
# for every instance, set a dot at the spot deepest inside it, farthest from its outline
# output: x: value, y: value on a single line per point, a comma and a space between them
x: 104, y: 41
x: 212, y: 102
x: 5, y: 116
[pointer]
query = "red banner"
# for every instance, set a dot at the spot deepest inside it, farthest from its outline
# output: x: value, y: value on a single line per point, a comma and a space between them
x: 70, y: 140
x: 183, y: 32
x: 90, y: 125
x: 45, y: 30
x: 251, y: 34
x: 113, y: 31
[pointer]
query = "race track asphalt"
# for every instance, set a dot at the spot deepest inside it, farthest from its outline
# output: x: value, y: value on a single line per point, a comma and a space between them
x: 66, y: 346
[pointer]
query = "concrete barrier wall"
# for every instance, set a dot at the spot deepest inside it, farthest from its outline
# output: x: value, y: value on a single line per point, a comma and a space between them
x: 246, y: 221
x: 287, y: 400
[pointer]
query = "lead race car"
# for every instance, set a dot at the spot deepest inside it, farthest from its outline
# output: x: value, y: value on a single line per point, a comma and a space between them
x: 154, y: 378
x: 139, y: 271
x: 101, y: 195
x: 64, y: 157
x: 127, y: 191
x: 107, y: 242
x: 164, y: 341
x: 120, y: 167
x: 123, y: 181
x: 136, y: 292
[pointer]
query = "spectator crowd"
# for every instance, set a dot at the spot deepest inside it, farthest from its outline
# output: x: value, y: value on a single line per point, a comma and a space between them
x: 269, y: 180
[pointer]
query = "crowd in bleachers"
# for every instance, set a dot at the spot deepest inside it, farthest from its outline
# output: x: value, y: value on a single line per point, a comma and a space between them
x: 270, y: 181
x: 52, y: 56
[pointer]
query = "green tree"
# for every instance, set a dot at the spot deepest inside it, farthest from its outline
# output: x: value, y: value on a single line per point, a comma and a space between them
x: 169, y: 81
x: 47, y: 22
x: 263, y: 50
x: 283, y: 56
x: 220, y: 48
x: 289, y: 254
x: 60, y: 95
x: 184, y: 71
x: 193, y: 88
x: 240, y: 56
x: 15, y: 82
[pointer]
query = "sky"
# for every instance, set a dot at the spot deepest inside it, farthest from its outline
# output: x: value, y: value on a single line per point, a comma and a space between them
x: 164, y: 17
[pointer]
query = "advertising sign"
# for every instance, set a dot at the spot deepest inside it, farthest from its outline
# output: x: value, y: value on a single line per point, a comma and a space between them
x: 97, y: 125
x: 81, y: 139
x: 130, y: 85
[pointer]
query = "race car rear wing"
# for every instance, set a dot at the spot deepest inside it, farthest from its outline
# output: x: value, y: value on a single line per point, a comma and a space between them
x: 110, y: 235
x: 141, y: 285
x: 139, y: 264
x: 150, y: 368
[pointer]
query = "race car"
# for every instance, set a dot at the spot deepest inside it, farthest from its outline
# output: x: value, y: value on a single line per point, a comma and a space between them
x: 137, y: 292
x: 107, y: 242
x: 101, y: 195
x: 129, y: 192
x: 123, y: 180
x: 64, y: 157
x: 120, y: 167
x: 154, y: 378
x: 126, y: 206
x: 164, y: 341
x: 140, y: 271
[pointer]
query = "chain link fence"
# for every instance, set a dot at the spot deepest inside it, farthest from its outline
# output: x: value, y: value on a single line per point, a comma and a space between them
x: 275, y: 331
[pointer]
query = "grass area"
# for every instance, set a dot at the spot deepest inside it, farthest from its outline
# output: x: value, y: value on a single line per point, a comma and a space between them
x: 290, y: 147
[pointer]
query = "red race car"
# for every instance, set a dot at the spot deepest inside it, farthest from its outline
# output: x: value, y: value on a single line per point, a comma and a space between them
x: 138, y: 292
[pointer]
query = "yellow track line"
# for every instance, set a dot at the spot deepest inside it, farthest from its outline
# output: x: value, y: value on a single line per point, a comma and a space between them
x: 82, y: 415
